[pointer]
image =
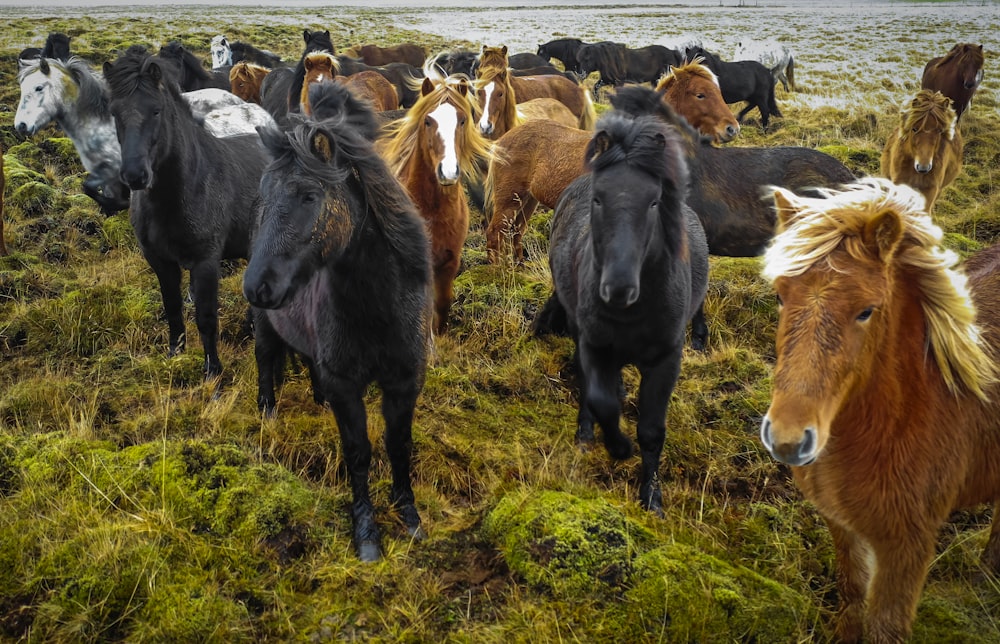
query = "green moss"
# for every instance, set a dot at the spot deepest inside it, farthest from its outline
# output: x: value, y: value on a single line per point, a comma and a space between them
x: 16, y: 174
x: 118, y: 232
x: 570, y: 545
x: 33, y: 198
x: 695, y: 597
x: 860, y: 161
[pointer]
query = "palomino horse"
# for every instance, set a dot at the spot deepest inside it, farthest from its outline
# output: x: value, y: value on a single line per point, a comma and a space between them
x: 335, y: 228
x: 502, y: 110
x: 885, y: 399
x: 957, y: 75
x: 693, y: 91
x: 193, y: 194
x: 367, y: 85
x: 494, y: 82
x: 925, y: 150
x: 429, y: 151
x: 630, y: 268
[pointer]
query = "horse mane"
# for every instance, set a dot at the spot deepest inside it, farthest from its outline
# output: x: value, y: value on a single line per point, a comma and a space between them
x: 174, y: 50
x: 92, y: 94
x: 695, y: 67
x: 929, y: 104
x: 837, y: 219
x: 401, y: 136
x: 639, y: 100
x: 493, y: 58
x: 489, y: 75
x: 963, y: 53
x: 333, y: 102
x: 316, y: 56
x: 127, y: 74
x: 385, y: 198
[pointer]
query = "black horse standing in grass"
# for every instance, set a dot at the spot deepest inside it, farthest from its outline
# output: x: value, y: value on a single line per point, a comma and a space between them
x: 192, y: 193
x: 743, y: 80
x: 340, y: 272
x: 630, y: 267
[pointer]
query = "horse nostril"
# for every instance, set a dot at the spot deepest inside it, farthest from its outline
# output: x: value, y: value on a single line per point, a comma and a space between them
x: 732, y: 131
x: 765, y: 433
x: 808, y: 444
x: 22, y: 128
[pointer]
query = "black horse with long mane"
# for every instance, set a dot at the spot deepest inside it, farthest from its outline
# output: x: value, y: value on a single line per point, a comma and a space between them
x: 191, y: 75
x: 337, y: 227
x: 743, y: 80
x: 630, y: 268
x: 192, y: 193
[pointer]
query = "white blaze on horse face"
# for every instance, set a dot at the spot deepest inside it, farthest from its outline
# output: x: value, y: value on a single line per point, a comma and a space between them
x: 446, y: 117
x: 40, y: 96
x: 484, y: 120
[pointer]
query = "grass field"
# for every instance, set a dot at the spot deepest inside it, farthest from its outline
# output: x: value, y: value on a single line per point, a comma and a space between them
x: 136, y: 506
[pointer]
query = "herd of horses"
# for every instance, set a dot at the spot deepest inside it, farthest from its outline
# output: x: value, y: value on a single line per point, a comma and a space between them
x: 349, y: 202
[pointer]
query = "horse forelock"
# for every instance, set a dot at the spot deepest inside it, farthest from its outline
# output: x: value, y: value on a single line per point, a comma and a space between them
x: 964, y: 54
x: 130, y: 75
x: 644, y: 143
x: 695, y: 68
x: 933, y: 105
x: 836, y: 223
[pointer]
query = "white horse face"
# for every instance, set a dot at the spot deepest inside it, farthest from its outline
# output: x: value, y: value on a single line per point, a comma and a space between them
x: 222, y: 54
x: 42, y: 91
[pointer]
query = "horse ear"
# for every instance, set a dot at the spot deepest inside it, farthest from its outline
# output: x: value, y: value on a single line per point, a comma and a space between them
x: 598, y: 146
x: 883, y: 232
x: 786, y: 210
x: 155, y: 72
x: 43, y: 65
x: 484, y: 49
x: 225, y: 43
x: 305, y: 35
x: 427, y: 86
x: 106, y: 68
x: 322, y: 147
x: 462, y: 87
x: 308, y: 63
x: 503, y: 50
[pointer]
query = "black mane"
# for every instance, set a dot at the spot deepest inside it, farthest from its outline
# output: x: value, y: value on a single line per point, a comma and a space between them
x: 638, y: 100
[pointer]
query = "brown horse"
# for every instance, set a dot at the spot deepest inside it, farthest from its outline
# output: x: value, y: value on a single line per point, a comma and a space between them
x: 430, y: 150
x: 498, y: 90
x: 925, y: 149
x: 500, y: 102
x: 377, y: 56
x: 885, y: 399
x: 367, y: 85
x: 957, y: 74
x: 693, y: 91
x: 245, y: 80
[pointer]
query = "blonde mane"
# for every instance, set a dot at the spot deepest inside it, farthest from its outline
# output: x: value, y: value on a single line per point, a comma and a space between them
x: 823, y: 225
x: 693, y: 68
x: 402, y: 137
x: 928, y: 104
x: 490, y: 75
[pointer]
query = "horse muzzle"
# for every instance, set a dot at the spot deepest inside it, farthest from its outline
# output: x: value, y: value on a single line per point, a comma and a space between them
x: 619, y: 297
x: 136, y: 178
x: 923, y: 168
x: 447, y: 178
x: 802, y: 452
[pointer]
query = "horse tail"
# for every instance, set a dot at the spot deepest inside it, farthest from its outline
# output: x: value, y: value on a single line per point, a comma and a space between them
x: 552, y: 319
x: 790, y: 72
x: 588, y: 115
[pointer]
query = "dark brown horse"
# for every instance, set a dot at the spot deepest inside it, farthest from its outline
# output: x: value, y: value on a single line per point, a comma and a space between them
x: 376, y: 56
x: 429, y: 151
x: 957, y: 74
x: 533, y: 164
x: 925, y: 150
x: 367, y: 85
x: 885, y: 399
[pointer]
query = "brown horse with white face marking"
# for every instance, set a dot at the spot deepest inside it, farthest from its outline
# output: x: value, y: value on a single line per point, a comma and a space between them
x: 925, y: 149
x: 429, y: 150
x: 693, y: 91
x: 957, y: 74
x: 885, y: 399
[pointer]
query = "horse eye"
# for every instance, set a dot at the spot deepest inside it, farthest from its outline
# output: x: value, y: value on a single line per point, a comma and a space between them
x: 597, y: 201
x: 778, y: 298
x: 700, y: 97
x: 654, y: 205
x: 867, y: 313
x: 427, y: 122
x: 309, y: 198
x: 39, y: 88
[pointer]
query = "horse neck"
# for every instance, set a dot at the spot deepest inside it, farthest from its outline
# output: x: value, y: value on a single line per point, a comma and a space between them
x: 509, y: 118
x: 92, y: 132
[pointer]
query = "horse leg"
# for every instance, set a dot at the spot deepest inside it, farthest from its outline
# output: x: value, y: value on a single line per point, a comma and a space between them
x: 269, y: 354
x: 600, y: 386
x: 444, y: 291
x: 168, y: 274
x: 398, y: 403
x: 205, y: 287
x: 901, y: 564
x: 699, y: 329
x: 852, y: 582
x: 743, y: 112
x: 655, y: 387
x: 584, y: 418
x: 520, y: 224
x: 345, y: 399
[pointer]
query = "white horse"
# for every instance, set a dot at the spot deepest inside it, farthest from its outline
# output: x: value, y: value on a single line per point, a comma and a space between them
x: 773, y: 55
x: 75, y: 97
x: 222, y: 53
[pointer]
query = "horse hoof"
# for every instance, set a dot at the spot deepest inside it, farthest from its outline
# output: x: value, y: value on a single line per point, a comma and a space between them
x: 585, y: 437
x: 620, y: 449
x: 369, y: 551
x: 411, y: 519
x: 417, y: 533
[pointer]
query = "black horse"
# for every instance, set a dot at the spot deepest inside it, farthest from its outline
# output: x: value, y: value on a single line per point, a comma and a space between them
x: 336, y: 227
x: 744, y: 80
x: 192, y: 193
x: 728, y: 183
x: 314, y: 41
x: 619, y: 64
x: 189, y: 71
x: 564, y: 50
x: 630, y: 268
x: 274, y: 91
x: 56, y: 46
x: 245, y: 51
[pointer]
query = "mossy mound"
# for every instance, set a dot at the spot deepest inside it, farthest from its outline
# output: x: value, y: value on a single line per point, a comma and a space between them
x: 860, y: 161
x: 566, y: 544
x: 696, y: 597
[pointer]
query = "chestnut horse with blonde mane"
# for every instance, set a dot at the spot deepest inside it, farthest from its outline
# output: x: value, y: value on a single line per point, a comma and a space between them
x: 498, y: 91
x: 925, y: 149
x: 245, y: 80
x: 885, y: 396
x: 957, y: 75
x: 367, y: 85
x: 429, y: 150
x: 693, y: 91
